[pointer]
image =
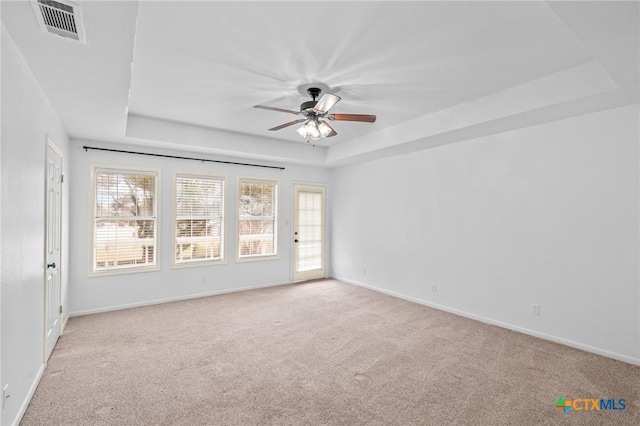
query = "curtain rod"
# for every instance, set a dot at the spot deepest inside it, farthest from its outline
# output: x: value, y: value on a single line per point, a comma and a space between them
x: 86, y: 148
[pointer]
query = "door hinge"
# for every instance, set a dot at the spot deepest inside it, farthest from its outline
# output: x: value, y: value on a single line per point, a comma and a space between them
x: 60, y: 309
x: 61, y: 178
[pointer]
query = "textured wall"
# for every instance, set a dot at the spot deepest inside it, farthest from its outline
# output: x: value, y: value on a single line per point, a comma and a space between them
x: 27, y: 117
x: 545, y: 215
x: 91, y: 294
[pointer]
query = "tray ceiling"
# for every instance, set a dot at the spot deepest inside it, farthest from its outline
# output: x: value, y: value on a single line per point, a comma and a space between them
x: 185, y: 75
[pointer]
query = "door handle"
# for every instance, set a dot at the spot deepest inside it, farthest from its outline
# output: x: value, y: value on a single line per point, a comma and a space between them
x: 51, y: 265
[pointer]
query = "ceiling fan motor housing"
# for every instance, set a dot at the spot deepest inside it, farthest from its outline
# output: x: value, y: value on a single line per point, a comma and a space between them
x: 307, y: 105
x: 314, y: 92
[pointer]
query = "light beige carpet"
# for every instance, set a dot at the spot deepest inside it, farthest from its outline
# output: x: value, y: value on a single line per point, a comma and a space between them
x: 317, y: 353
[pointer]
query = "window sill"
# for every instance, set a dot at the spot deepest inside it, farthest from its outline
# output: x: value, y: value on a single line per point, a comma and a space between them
x: 188, y: 265
x: 110, y: 272
x: 257, y: 258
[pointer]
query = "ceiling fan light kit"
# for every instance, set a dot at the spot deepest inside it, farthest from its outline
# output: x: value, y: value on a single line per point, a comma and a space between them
x: 314, y: 128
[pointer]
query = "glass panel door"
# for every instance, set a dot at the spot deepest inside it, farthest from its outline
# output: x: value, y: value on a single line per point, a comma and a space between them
x: 309, y: 232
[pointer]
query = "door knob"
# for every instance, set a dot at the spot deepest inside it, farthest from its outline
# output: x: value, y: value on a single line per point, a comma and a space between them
x: 295, y: 241
x: 51, y: 265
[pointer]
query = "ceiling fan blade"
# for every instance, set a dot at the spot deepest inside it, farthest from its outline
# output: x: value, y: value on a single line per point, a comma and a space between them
x: 325, y: 103
x: 364, y: 118
x: 291, y: 123
x: 277, y: 109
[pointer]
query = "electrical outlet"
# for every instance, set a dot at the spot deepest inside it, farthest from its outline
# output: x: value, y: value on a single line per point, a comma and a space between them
x: 364, y: 271
x: 535, y: 309
x: 203, y: 279
x: 434, y: 288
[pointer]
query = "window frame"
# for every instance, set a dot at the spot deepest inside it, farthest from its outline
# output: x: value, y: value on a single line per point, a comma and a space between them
x: 223, y: 230
x: 92, y: 220
x: 276, y: 219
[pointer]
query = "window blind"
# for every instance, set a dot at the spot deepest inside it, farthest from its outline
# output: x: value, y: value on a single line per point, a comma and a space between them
x: 309, y: 231
x: 257, y: 218
x: 124, y: 225
x: 199, y: 233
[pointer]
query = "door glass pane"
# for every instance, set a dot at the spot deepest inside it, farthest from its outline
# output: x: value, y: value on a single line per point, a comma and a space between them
x: 309, y: 231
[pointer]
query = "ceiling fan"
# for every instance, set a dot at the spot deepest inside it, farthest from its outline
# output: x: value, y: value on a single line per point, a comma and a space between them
x: 314, y: 111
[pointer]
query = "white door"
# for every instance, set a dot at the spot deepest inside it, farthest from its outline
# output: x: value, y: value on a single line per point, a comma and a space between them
x: 308, y: 232
x: 53, y: 231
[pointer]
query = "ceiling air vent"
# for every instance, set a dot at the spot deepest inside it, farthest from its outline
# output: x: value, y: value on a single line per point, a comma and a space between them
x: 62, y: 18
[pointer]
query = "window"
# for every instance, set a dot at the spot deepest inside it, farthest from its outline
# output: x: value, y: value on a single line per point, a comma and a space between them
x: 257, y: 219
x: 199, y: 225
x: 124, y: 220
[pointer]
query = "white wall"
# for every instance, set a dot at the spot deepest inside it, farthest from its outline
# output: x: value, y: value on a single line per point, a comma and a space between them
x: 94, y: 294
x: 547, y: 214
x: 27, y: 117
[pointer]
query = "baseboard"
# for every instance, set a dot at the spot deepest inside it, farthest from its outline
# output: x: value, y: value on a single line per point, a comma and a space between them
x: 27, y: 400
x: 64, y: 324
x: 172, y: 299
x: 555, y: 339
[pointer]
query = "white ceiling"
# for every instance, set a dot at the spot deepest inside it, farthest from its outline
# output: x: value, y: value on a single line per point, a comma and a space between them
x: 185, y: 75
